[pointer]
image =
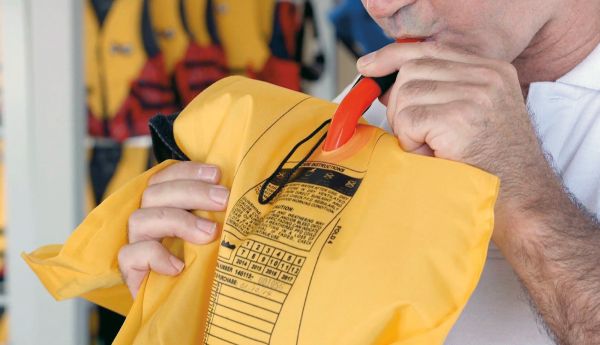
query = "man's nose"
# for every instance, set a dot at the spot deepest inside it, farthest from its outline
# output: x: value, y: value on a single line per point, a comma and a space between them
x: 385, y: 8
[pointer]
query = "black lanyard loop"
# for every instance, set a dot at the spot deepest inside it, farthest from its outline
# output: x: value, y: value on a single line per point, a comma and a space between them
x: 288, y: 175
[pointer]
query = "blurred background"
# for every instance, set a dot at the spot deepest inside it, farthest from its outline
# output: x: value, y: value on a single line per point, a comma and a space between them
x: 80, y: 78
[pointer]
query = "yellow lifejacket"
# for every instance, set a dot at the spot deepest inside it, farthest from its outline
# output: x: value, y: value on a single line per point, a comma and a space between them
x: 126, y: 80
x: 170, y: 30
x: 204, y: 61
x: 367, y: 244
x: 266, y: 49
x: 199, y: 16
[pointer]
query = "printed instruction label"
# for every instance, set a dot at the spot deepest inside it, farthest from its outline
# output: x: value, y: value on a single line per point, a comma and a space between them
x: 270, y: 251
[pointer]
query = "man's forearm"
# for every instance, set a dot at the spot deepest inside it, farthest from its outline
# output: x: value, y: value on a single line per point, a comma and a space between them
x: 553, y: 244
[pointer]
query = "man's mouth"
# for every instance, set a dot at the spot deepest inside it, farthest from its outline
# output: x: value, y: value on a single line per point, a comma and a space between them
x: 408, y: 23
x: 409, y: 39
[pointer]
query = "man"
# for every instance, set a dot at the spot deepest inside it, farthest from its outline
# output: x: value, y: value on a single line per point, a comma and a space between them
x: 464, y: 95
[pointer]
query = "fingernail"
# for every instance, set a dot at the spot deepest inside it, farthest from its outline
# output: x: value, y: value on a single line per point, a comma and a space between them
x: 365, y: 60
x: 218, y: 194
x: 207, y: 172
x: 178, y: 264
x: 206, y: 226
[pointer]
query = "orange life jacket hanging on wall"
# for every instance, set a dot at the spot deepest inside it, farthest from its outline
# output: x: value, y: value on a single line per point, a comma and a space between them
x: 126, y: 79
x: 204, y: 61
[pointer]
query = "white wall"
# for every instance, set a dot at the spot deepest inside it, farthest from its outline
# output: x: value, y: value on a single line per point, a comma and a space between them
x: 43, y: 131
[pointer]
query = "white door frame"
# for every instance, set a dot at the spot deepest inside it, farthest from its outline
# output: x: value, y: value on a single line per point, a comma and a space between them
x: 44, y: 118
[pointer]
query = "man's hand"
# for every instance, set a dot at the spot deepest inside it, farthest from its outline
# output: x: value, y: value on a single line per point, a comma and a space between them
x: 471, y: 109
x: 463, y: 108
x: 164, y: 212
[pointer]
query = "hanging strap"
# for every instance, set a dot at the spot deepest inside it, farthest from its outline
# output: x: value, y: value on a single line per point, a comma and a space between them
x: 288, y: 175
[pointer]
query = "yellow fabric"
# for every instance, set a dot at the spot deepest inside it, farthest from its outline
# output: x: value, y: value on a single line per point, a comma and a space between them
x: 89, y: 198
x: 168, y: 27
x: 4, y: 329
x: 392, y: 262
x: 134, y: 161
x: 195, y: 14
x: 252, y: 17
x: 250, y: 49
x: 114, y: 55
x: 266, y: 17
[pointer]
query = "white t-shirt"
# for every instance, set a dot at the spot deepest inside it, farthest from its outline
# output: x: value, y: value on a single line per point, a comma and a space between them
x: 567, y: 117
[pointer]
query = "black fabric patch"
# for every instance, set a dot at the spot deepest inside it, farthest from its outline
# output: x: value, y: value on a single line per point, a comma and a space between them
x: 163, y: 140
x: 103, y: 164
x: 101, y: 8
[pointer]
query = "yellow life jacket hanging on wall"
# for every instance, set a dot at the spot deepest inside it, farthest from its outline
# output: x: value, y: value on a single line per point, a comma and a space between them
x: 282, y: 68
x: 126, y: 79
x: 363, y: 245
x: 169, y: 30
x: 127, y: 84
x: 199, y: 20
x: 204, y: 61
x: 266, y: 50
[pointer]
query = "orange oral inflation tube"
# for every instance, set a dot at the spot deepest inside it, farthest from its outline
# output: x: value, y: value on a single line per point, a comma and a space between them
x: 357, y: 101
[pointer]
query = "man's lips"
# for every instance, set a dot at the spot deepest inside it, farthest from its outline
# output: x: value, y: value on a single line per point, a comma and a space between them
x: 413, y: 39
x: 409, y: 40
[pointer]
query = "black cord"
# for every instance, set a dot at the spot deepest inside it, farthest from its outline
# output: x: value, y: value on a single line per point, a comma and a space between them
x: 261, y: 194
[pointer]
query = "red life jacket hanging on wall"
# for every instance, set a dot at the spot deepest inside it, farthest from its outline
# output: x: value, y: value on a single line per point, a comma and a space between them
x: 126, y: 79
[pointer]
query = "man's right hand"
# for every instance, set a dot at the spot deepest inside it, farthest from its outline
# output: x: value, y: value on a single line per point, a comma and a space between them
x: 165, y: 212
